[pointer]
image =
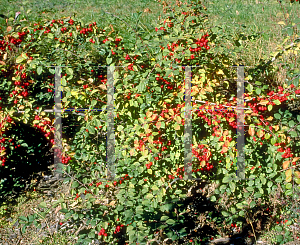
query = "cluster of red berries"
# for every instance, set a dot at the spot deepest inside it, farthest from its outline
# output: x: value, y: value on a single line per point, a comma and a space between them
x: 148, y: 165
x: 118, y: 229
x: 170, y: 86
x: 65, y: 159
x: 102, y: 232
x: 203, y: 157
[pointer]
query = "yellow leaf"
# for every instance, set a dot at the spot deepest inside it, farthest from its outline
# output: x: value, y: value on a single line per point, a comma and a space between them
x: 276, y: 127
x: 149, y: 113
x: 263, y: 102
x: 209, y: 89
x: 297, y: 174
x: 154, y: 116
x: 131, y: 152
x: 281, y: 23
x: 288, y: 178
x: 224, y: 149
x: 102, y: 86
x: 270, y: 118
x: 171, y: 112
x: 176, y: 126
x: 260, y: 133
x: 158, y: 125
x: 288, y: 173
x: 112, y: 203
x: 220, y: 72
x: 295, y: 159
x: 231, y: 119
x: 251, y: 131
x: 178, y: 119
x: 203, y: 164
x: 74, y: 94
x: 285, y: 164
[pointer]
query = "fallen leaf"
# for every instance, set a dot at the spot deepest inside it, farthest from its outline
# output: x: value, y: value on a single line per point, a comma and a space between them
x: 57, y: 209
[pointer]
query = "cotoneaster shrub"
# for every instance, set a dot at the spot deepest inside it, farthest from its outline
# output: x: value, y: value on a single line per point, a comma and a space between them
x: 152, y: 138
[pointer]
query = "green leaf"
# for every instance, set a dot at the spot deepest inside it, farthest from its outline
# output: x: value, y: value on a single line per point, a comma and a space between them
x: 263, y: 180
x: 23, y: 218
x: 226, y: 179
x: 170, y: 222
x: 63, y: 81
x: 164, y: 218
x: 277, y: 102
x: 273, y: 141
x: 257, y: 195
x: 270, y: 107
x: 93, y: 103
x: 39, y: 70
x: 277, y: 116
x: 24, y: 145
x: 24, y: 228
x: 252, y: 204
x: 270, y: 184
x: 108, y: 60
x: 139, y: 210
x: 43, y: 205
x: 19, y: 59
x: 213, y: 199
x: 291, y: 123
x: 92, y: 234
x: 50, y: 36
x: 239, y: 206
x: 75, y: 216
x: 225, y: 214
x: 232, y: 186
x: 258, y: 91
x: 75, y: 184
x: 289, y: 186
